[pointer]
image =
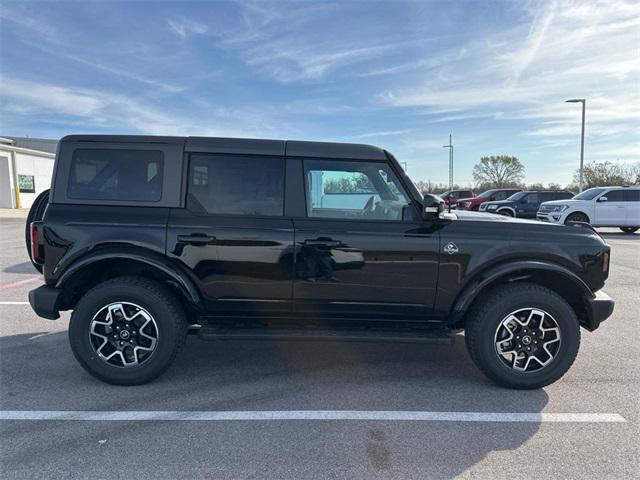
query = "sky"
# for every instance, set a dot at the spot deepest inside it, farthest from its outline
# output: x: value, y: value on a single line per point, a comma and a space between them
x: 400, y: 75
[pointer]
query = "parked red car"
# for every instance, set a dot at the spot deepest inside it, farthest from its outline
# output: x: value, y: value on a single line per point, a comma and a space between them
x: 494, y: 194
x: 453, y: 196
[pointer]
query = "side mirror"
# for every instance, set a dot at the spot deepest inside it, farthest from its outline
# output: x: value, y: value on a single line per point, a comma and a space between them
x: 603, y: 199
x: 432, y: 207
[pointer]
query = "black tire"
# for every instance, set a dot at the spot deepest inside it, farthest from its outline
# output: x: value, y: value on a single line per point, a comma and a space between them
x: 577, y: 217
x: 629, y: 229
x: 483, y: 321
x: 505, y: 212
x: 35, y: 214
x: 158, y: 301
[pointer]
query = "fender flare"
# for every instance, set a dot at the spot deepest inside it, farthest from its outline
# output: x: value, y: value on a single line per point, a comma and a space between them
x: 149, y: 258
x: 480, y: 280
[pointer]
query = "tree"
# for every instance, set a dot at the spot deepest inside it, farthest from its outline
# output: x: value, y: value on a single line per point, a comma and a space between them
x: 501, y: 171
x: 604, y: 174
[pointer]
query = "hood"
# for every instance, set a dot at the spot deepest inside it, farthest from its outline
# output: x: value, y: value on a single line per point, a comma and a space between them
x: 490, y: 217
x: 563, y: 202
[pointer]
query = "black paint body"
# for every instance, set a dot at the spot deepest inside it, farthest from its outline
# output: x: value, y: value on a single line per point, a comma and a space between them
x: 301, y: 268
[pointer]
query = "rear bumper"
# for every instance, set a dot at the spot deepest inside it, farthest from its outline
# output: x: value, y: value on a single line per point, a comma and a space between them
x: 45, y: 301
x: 599, y: 308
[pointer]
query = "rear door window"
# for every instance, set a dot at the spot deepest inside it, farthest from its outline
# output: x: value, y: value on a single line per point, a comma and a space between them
x: 116, y: 174
x: 220, y: 184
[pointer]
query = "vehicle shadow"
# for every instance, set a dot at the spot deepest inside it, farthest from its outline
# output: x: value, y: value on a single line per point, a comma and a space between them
x: 41, y: 374
x: 24, y: 267
x: 621, y: 235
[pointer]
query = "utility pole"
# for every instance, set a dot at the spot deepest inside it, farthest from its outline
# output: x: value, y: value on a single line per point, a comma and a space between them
x: 584, y: 107
x: 450, y: 147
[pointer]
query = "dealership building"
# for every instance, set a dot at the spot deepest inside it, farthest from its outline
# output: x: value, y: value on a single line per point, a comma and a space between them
x: 26, y: 168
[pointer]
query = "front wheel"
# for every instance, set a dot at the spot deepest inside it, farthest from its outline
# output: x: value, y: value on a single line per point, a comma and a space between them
x: 576, y: 217
x: 523, y: 336
x: 505, y: 212
x: 629, y: 229
x: 127, y: 330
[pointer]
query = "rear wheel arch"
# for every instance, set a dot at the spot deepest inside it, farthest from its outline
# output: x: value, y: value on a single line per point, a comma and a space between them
x: 549, y: 275
x: 88, y: 272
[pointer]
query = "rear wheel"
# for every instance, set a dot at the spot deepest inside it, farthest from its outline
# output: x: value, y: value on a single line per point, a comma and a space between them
x: 523, y: 336
x: 629, y: 229
x: 35, y: 214
x: 127, y: 331
x: 577, y: 217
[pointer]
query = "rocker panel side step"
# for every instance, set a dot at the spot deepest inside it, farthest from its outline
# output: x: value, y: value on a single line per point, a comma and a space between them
x: 325, y: 335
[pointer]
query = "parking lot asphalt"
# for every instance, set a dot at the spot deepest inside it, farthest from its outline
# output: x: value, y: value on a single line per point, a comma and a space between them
x: 38, y: 373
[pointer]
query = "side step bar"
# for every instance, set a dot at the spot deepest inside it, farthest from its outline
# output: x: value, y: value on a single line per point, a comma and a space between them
x: 440, y: 337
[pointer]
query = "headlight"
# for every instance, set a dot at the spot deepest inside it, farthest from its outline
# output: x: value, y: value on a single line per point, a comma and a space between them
x: 492, y: 207
x: 559, y: 208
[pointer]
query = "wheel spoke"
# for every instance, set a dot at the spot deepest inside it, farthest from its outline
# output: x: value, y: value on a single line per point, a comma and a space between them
x: 528, y: 339
x: 116, y: 331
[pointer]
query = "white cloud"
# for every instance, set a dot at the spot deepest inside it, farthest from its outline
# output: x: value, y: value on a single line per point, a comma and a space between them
x: 185, y: 28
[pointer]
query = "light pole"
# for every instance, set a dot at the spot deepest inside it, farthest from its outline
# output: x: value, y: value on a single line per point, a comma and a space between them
x: 450, y: 147
x: 584, y: 106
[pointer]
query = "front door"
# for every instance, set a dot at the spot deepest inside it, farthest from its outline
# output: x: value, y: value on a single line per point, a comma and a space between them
x: 232, y: 234
x: 611, y: 211
x: 528, y: 206
x: 360, y: 250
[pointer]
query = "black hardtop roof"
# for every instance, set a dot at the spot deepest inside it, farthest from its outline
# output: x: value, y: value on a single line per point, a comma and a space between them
x: 247, y: 146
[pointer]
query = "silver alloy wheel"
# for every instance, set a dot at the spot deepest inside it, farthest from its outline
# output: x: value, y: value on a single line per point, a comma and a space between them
x: 123, y: 334
x: 527, y: 339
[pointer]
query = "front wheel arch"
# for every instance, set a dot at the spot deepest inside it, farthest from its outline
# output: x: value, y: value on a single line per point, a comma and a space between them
x: 555, y: 277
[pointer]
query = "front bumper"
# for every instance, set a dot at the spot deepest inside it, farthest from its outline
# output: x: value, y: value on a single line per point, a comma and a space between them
x: 45, y: 301
x: 599, y: 308
x: 551, y: 217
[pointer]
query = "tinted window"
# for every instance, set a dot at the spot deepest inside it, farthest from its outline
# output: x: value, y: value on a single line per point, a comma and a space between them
x: 530, y: 198
x: 548, y: 196
x: 564, y: 195
x: 353, y: 190
x: 501, y: 195
x: 236, y: 185
x: 614, y: 195
x: 632, y: 195
x: 114, y: 174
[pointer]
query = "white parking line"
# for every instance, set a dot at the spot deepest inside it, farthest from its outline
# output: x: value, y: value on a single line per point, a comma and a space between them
x: 14, y: 303
x: 284, y: 415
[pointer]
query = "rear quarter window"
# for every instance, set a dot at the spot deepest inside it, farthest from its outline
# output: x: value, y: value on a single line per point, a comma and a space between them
x: 116, y: 174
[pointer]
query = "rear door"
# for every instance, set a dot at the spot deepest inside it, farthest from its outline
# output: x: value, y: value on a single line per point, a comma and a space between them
x: 360, y: 249
x: 233, y: 235
x: 632, y: 207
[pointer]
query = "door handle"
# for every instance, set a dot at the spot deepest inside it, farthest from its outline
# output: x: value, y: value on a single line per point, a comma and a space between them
x: 197, y: 239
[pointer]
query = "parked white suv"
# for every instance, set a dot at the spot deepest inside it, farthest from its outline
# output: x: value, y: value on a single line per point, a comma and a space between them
x: 599, y: 206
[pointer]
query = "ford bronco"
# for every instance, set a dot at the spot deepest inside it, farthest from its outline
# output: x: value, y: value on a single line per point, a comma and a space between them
x: 148, y: 239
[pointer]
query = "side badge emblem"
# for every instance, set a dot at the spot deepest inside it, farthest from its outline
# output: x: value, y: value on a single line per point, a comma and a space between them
x: 450, y: 248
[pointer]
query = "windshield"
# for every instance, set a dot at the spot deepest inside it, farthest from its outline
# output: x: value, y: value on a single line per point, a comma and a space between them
x: 486, y: 194
x: 589, y: 194
x: 517, y: 196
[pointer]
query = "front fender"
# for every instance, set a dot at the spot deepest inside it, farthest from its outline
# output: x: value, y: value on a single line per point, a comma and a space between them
x: 512, y: 270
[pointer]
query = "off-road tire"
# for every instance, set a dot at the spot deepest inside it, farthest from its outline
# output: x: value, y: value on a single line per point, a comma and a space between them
x: 161, y: 304
x: 485, y: 317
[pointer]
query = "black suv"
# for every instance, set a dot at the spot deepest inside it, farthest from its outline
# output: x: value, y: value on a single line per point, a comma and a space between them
x: 147, y: 239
